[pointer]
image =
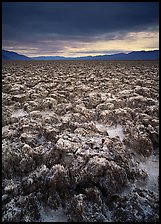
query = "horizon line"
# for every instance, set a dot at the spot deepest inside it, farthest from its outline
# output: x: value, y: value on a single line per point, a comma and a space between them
x: 98, y: 55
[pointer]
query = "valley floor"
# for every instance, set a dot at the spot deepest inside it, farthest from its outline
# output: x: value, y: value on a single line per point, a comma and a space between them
x: 80, y: 141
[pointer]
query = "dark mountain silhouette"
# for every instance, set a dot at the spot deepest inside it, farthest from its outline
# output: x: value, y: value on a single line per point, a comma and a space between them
x: 10, y: 55
x: 134, y: 55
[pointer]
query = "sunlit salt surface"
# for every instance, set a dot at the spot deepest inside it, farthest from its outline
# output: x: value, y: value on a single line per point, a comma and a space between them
x: 5, y: 128
x: 112, y: 131
x: 50, y: 215
x: 19, y: 113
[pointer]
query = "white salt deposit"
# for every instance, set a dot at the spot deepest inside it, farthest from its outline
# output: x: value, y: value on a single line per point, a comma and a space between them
x: 5, y: 128
x: 92, y: 139
x: 47, y: 112
x: 50, y: 215
x: 116, y: 131
x: 19, y: 113
x: 101, y: 127
x: 151, y: 167
x: 112, y: 131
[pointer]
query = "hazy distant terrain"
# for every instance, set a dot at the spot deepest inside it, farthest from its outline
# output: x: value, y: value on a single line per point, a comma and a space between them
x: 80, y: 141
x: 135, y: 55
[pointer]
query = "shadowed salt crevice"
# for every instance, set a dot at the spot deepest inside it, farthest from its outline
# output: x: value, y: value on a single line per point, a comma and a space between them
x: 41, y: 140
x: 50, y: 215
x: 112, y: 131
x: 19, y: 113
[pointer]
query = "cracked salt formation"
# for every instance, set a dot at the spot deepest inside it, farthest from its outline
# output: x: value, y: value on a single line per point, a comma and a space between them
x: 80, y: 141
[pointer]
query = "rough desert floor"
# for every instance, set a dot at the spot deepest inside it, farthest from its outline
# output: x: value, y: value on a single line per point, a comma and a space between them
x: 80, y: 141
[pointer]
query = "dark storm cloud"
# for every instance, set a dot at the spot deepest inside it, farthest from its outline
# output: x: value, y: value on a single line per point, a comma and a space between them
x: 80, y: 20
x: 49, y: 28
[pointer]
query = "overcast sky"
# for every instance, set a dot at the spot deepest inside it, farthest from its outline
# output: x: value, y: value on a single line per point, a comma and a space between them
x: 79, y: 28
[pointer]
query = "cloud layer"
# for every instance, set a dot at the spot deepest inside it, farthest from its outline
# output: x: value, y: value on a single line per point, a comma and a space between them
x: 78, y: 28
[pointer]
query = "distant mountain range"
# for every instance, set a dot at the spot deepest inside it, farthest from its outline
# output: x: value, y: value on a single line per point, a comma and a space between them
x: 10, y: 55
x: 134, y: 55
